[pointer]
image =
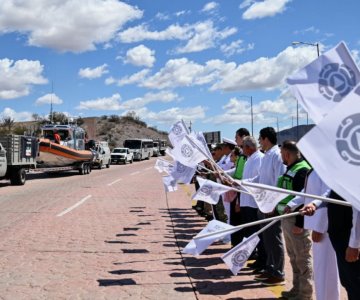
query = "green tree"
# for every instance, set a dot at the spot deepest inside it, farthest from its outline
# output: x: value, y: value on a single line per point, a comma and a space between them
x: 59, y: 117
x: 8, y: 124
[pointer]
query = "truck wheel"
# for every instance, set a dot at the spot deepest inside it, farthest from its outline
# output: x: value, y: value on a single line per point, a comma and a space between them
x: 131, y: 161
x: 148, y: 157
x: 100, y: 164
x: 18, y: 177
x: 87, y: 169
x: 108, y: 165
x: 82, y: 169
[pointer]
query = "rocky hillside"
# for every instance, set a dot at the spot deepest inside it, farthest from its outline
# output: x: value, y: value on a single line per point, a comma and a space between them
x: 117, y: 129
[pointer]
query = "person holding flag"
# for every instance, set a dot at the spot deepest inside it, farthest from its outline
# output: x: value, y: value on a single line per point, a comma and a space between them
x: 297, y: 239
x: 248, y: 206
x: 237, y: 173
x: 272, y: 168
x: 326, y: 277
x: 344, y: 234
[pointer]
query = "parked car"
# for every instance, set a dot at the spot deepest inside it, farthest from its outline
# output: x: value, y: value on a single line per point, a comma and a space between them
x: 103, y: 156
x: 122, y: 155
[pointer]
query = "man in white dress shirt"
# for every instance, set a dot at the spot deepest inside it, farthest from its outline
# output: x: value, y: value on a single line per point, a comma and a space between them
x: 248, y: 207
x: 272, y: 168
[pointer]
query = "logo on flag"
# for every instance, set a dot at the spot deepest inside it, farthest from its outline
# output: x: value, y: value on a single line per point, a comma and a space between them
x: 206, y: 190
x: 348, y: 139
x: 186, y: 150
x: 336, y: 81
x: 180, y: 168
x: 240, y: 257
x: 177, y: 129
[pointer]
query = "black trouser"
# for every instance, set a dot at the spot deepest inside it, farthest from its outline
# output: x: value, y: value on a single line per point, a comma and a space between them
x: 235, y: 219
x: 274, y: 248
x: 349, y: 272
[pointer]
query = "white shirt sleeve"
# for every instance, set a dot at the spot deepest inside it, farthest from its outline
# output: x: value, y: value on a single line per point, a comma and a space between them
x: 296, y: 202
x: 354, y: 241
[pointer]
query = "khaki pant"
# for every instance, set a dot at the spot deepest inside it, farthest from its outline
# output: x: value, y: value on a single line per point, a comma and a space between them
x: 298, y: 248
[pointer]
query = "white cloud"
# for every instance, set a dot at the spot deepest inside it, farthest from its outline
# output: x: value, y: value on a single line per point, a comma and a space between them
x: 16, y: 116
x: 210, y: 6
x: 262, y: 9
x: 205, y: 36
x: 169, y: 116
x: 235, y: 47
x: 17, y: 77
x: 66, y: 25
x: 238, y: 111
x: 110, y: 80
x: 266, y: 73
x: 163, y: 96
x: 48, y: 99
x: 135, y: 78
x: 140, y: 56
x: 110, y: 103
x: 182, y: 72
x: 182, y: 12
x: 307, y: 30
x: 199, y: 36
x: 162, y: 17
x: 93, y: 73
x: 141, y: 33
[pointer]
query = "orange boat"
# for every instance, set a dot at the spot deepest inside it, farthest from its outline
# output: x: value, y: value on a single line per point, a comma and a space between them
x: 70, y: 151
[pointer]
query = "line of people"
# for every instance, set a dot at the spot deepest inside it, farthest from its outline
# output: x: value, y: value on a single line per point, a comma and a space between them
x: 323, y: 247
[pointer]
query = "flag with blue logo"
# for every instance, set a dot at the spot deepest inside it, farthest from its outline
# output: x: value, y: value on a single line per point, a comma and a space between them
x: 325, y: 82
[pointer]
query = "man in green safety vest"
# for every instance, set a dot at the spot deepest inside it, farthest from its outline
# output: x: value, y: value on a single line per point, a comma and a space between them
x: 297, y: 239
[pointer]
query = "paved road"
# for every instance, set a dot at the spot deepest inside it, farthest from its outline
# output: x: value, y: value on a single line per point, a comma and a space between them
x: 113, y: 234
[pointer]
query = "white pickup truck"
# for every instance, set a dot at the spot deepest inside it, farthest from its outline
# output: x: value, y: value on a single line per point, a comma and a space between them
x: 122, y: 155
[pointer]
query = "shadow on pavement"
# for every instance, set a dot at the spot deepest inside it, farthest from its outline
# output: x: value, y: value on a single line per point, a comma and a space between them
x: 112, y: 282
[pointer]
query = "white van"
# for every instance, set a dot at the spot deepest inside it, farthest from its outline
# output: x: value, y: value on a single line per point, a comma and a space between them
x: 103, y: 156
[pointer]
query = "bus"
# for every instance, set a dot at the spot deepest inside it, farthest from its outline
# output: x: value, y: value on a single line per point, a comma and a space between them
x: 141, y: 148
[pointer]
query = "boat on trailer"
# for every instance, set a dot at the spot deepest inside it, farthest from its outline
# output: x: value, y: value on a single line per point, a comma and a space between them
x: 70, y: 151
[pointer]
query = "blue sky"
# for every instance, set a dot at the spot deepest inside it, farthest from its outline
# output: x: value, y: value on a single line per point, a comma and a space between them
x: 199, y: 61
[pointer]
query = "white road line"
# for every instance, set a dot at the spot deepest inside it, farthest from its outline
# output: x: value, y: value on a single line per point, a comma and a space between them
x: 134, y: 173
x: 74, y: 206
x: 109, y: 184
x: 149, y: 168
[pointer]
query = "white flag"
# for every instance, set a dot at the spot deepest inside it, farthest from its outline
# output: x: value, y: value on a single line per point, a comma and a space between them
x: 177, y: 132
x: 209, y: 191
x: 322, y: 84
x: 169, y: 184
x: 198, y: 247
x: 200, y: 141
x: 266, y: 200
x: 182, y: 173
x: 186, y: 153
x: 236, y: 258
x: 333, y: 148
x: 163, y: 166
